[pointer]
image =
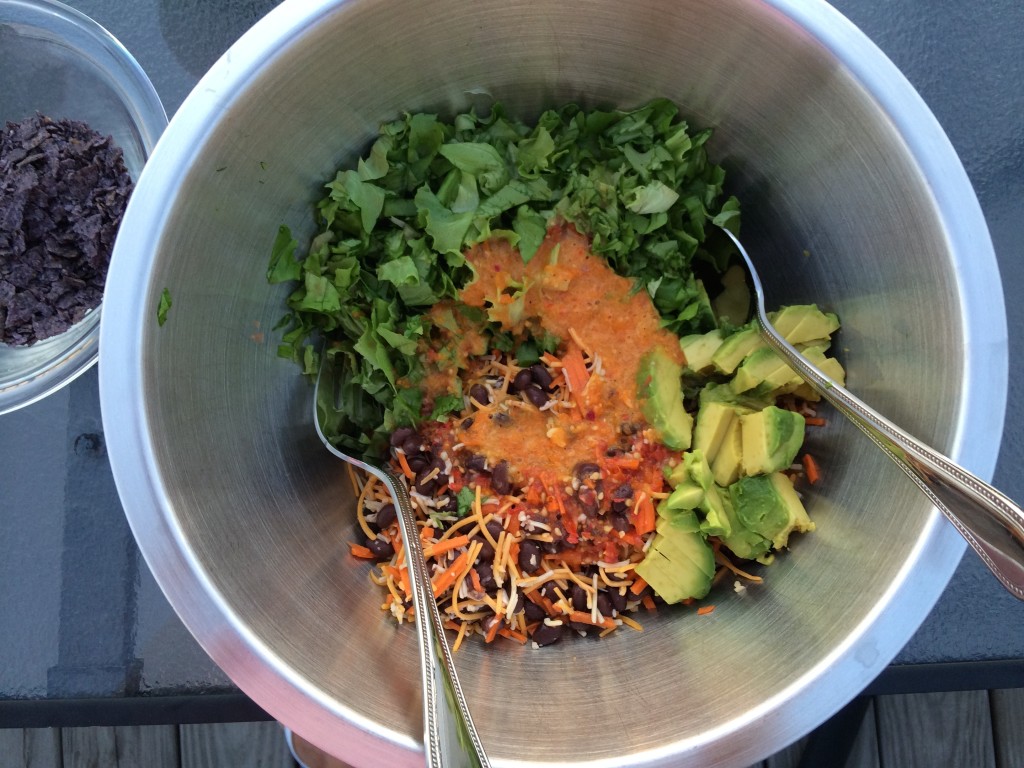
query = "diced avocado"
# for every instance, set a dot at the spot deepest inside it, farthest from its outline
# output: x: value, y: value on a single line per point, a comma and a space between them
x: 687, y: 495
x: 698, y: 349
x: 741, y: 541
x: 716, y: 519
x: 711, y: 426
x: 728, y: 462
x: 661, y: 399
x: 683, y: 519
x: 762, y: 366
x: 724, y: 393
x: 771, y: 439
x: 828, y: 365
x: 678, y: 564
x: 768, y: 506
x: 676, y: 475
x: 697, y: 468
x: 733, y: 303
x: 735, y: 348
x: 801, y: 323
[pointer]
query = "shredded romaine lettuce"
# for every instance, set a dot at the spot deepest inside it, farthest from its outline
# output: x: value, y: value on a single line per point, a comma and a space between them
x: 393, y: 232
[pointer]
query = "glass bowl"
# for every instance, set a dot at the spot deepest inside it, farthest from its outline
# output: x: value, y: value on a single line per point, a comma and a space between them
x: 60, y: 63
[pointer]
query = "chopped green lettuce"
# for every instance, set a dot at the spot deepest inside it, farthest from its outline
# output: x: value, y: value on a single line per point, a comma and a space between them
x: 393, y: 230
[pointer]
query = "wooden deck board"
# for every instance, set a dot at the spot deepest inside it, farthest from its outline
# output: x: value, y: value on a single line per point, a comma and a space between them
x: 253, y: 745
x: 36, y: 748
x: 970, y: 729
x: 1008, y: 727
x: 924, y: 730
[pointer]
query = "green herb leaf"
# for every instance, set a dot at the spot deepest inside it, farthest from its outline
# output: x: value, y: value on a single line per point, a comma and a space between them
x: 163, y: 307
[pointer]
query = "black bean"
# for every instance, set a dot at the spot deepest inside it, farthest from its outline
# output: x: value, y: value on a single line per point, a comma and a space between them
x: 623, y: 492
x: 522, y: 380
x: 486, y: 550
x: 617, y: 599
x: 486, y: 573
x: 412, y: 445
x: 494, y: 527
x: 479, y: 393
x: 448, y: 504
x: 418, y: 462
x: 400, y: 435
x: 467, y: 423
x: 604, y: 604
x: 386, y: 515
x: 423, y: 484
x: 554, y: 547
x: 619, y: 521
x: 501, y: 418
x: 381, y: 548
x: 500, y: 481
x: 476, y: 462
x: 628, y: 428
x: 546, y: 634
x: 586, y: 470
x: 578, y: 595
x: 533, y: 611
x: 536, y: 395
x: 529, y: 556
x: 541, y: 376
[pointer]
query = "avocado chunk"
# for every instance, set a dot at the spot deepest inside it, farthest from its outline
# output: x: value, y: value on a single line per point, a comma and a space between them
x: 770, y: 439
x: 769, y: 506
x: 698, y: 349
x: 661, y: 399
x: 735, y: 348
x: 712, y: 425
x: 687, y: 495
x: 752, y: 400
x: 801, y: 323
x: 716, y: 519
x: 697, y: 468
x: 678, y: 565
x: 741, y: 541
x: 728, y: 462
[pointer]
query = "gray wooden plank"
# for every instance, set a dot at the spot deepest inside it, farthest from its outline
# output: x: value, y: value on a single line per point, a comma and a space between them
x: 788, y: 757
x: 89, y: 747
x: 152, y: 746
x: 36, y: 748
x: 311, y: 756
x: 924, y: 730
x: 254, y: 745
x: 1008, y: 726
x: 864, y: 752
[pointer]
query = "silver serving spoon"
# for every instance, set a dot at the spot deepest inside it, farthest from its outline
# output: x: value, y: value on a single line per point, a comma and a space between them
x: 990, y: 521
x: 449, y: 737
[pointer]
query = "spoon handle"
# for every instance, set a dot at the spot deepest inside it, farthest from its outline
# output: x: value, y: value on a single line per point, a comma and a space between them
x: 991, y: 522
x: 449, y: 736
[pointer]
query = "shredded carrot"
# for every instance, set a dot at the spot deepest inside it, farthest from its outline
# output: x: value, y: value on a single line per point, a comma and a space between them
x: 815, y: 421
x: 511, y: 634
x: 586, y: 618
x: 644, y: 513
x: 358, y: 550
x: 492, y: 631
x: 576, y: 373
x: 447, y: 577
x: 474, y: 577
x: 433, y: 550
x: 704, y: 610
x: 638, y: 585
x: 648, y: 602
x: 404, y: 464
x: 811, y: 468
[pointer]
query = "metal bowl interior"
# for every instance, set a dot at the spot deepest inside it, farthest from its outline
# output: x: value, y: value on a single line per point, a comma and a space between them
x: 854, y: 199
x: 58, y: 62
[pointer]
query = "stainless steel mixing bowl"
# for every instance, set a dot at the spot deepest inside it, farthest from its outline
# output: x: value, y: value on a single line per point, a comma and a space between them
x: 854, y: 199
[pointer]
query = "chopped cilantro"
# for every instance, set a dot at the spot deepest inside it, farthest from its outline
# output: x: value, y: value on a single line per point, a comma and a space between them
x: 163, y: 307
